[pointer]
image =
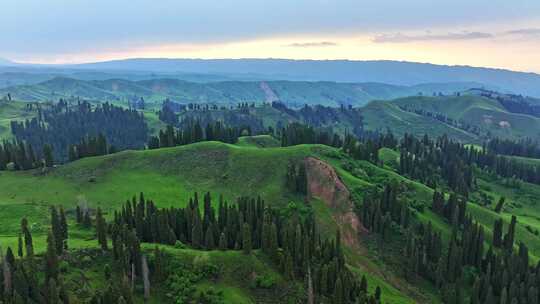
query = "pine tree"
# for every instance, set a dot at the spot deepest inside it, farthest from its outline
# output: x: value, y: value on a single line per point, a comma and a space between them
x: 222, y: 241
x: 158, y: 265
x: 20, y: 246
x: 87, y: 221
x: 64, y: 228
x: 101, y: 230
x: 246, y: 239
x: 500, y: 205
x: 209, y: 238
x: 78, y: 215
x: 57, y: 231
x: 509, y: 237
x: 339, y: 294
x: 53, y: 293
x: 51, y: 258
x: 274, y: 246
x: 48, y: 159
x: 197, y: 233
x: 497, y: 233
x: 29, y: 246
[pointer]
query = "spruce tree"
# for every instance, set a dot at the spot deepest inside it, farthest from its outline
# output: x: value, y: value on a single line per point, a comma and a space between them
x: 48, y: 159
x: 101, y: 230
x: 209, y: 238
x: 28, y: 243
x: 51, y: 258
x: 222, y: 241
x: 20, y: 246
x: 246, y: 239
x: 197, y: 232
x: 64, y: 228
x: 339, y: 293
x: 56, y: 227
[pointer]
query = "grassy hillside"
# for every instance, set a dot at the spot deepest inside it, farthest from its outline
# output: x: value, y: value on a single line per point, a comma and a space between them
x: 381, y: 115
x: 168, y: 176
x: 294, y: 93
x: 486, y: 114
x: 9, y: 111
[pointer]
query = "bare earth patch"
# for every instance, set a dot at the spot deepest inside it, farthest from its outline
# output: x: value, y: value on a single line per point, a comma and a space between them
x: 324, y: 183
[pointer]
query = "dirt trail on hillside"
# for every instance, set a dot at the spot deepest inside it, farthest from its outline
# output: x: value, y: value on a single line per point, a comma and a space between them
x: 270, y: 94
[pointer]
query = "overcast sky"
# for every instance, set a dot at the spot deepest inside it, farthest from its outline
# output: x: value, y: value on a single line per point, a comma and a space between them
x: 495, y: 33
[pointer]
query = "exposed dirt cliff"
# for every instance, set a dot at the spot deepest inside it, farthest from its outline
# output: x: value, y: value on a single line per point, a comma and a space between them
x: 325, y: 184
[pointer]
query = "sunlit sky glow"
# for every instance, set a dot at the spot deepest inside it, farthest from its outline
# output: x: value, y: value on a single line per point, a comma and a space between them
x: 495, y: 33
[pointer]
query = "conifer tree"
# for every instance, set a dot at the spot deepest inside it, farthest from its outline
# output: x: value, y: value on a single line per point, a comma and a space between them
x: 101, y: 230
x: 53, y: 293
x: 56, y: 227
x: 78, y: 214
x: 500, y: 205
x: 209, y: 238
x: 29, y: 245
x: 20, y: 246
x: 48, y: 160
x: 197, y: 233
x: 51, y: 258
x: 246, y: 239
x: 497, y: 233
x: 158, y: 265
x: 87, y: 221
x: 222, y: 241
x: 64, y: 228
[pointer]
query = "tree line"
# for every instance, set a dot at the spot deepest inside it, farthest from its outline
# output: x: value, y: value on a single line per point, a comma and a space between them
x: 64, y: 125
x: 194, y: 132
x: 523, y: 147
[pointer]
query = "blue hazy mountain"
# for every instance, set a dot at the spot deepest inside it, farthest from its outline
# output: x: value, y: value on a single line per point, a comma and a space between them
x: 390, y: 72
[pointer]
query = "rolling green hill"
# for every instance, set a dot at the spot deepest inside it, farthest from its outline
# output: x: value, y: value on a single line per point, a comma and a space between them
x: 381, y: 116
x: 292, y: 93
x: 16, y: 111
x: 169, y: 176
x: 253, y: 167
x: 475, y: 118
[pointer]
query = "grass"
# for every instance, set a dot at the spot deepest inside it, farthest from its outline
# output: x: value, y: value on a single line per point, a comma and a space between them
x: 260, y: 141
x: 12, y: 111
x: 487, y: 114
x: 383, y: 115
x: 169, y: 177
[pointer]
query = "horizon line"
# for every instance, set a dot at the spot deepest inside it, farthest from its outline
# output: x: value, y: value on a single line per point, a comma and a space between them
x: 15, y: 63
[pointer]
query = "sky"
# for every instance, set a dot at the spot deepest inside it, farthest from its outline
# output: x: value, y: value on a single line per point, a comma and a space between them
x: 491, y: 33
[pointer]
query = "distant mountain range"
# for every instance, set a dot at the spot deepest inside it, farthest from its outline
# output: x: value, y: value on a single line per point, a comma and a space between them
x: 291, y: 93
x: 389, y: 72
x: 201, y: 70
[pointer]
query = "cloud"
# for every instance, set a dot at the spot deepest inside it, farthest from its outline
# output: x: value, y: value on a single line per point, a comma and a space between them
x: 403, y: 38
x: 525, y: 32
x: 312, y: 44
